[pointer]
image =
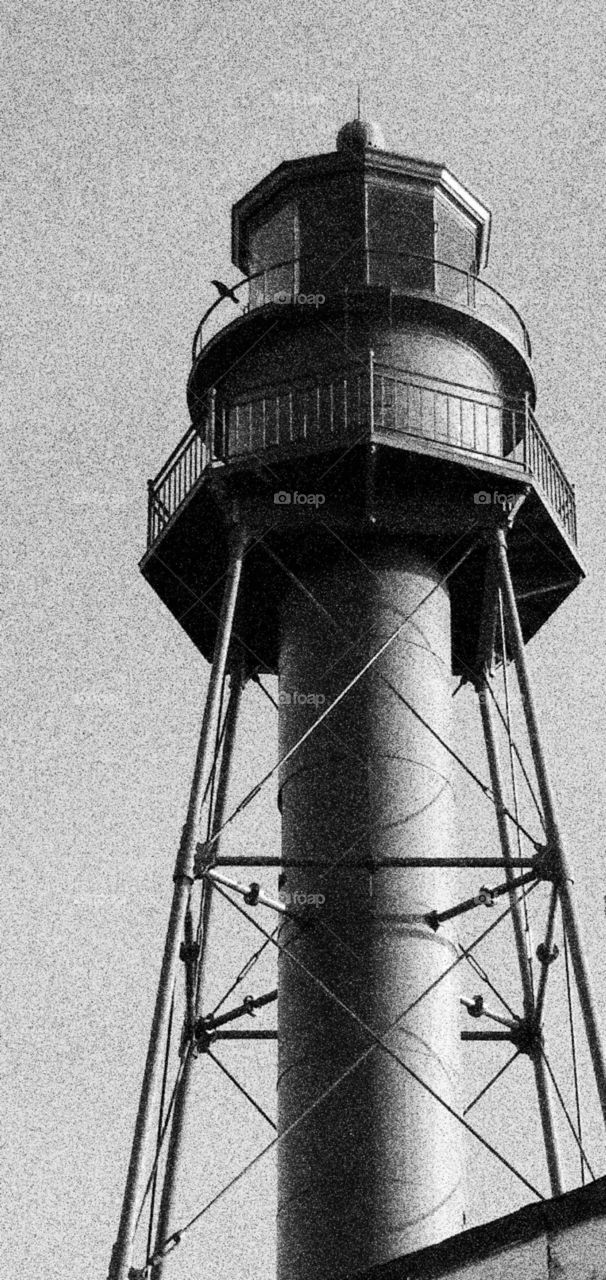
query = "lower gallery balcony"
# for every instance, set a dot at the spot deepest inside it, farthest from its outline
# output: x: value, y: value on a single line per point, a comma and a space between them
x: 372, y: 403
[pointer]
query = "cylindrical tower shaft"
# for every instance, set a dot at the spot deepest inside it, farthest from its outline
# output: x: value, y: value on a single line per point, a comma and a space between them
x: 374, y: 1171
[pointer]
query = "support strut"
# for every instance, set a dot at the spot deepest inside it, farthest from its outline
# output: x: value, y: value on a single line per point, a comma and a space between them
x: 496, y: 781
x: 569, y: 915
x: 183, y: 879
x: 175, y: 1143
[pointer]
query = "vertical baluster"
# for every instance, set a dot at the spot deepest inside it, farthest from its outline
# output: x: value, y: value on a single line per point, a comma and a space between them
x: 332, y: 408
x: 211, y: 428
x: 345, y: 418
x: 371, y: 393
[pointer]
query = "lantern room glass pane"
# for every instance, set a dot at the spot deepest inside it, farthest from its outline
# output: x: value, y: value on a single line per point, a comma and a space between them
x: 456, y: 251
x: 274, y: 240
x: 400, y: 238
x: 332, y: 236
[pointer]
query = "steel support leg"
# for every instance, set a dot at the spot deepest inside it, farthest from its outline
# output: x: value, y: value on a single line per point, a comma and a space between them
x: 183, y: 880
x: 542, y: 1083
x: 571, y: 925
x: 173, y: 1158
x: 485, y: 663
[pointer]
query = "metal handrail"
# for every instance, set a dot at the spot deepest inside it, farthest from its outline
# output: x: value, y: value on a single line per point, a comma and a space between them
x: 355, y: 398
x: 540, y: 460
x: 474, y: 285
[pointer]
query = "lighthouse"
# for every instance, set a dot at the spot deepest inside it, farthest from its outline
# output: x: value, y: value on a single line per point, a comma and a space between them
x: 363, y: 491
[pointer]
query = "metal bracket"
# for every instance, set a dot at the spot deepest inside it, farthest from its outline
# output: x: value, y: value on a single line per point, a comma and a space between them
x: 189, y: 952
x: 546, y: 865
x: 546, y: 957
x: 527, y: 1037
x: 524, y: 1033
x: 203, y: 859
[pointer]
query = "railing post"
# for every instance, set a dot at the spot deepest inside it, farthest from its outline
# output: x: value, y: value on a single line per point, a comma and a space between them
x: 150, y: 508
x: 211, y: 424
x: 527, y: 466
x: 371, y: 369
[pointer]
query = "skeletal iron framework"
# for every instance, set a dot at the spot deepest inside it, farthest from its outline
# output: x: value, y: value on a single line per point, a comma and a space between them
x: 198, y: 860
x: 421, y: 394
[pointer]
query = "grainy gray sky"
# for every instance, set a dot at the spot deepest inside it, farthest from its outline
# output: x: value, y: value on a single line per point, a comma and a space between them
x: 129, y: 130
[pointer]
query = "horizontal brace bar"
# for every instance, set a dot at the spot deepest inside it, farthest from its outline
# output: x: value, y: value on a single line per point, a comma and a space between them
x: 244, y: 1035
x: 484, y: 897
x: 253, y: 894
x: 370, y: 865
x: 486, y: 1035
x: 477, y: 1009
x: 247, y: 1007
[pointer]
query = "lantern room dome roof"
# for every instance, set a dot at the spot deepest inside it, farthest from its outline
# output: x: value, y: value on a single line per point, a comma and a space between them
x: 358, y: 134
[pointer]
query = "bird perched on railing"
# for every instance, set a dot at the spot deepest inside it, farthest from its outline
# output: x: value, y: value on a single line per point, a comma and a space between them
x: 224, y: 291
